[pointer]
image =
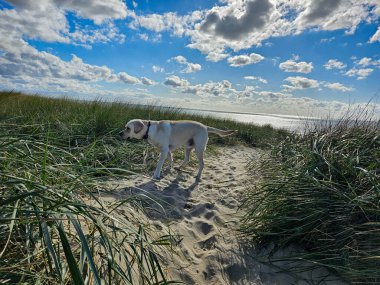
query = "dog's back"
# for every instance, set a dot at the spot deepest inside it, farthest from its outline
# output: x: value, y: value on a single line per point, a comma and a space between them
x: 187, y: 133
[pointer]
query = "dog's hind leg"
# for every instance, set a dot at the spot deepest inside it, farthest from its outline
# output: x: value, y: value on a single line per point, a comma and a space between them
x: 200, y: 143
x: 170, y: 156
x: 187, y: 157
x: 200, y: 164
x: 163, y: 155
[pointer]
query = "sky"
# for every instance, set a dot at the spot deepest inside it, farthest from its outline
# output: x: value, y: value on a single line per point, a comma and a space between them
x: 293, y: 57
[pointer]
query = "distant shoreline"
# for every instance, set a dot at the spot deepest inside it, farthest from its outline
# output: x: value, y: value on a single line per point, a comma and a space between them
x: 256, y: 114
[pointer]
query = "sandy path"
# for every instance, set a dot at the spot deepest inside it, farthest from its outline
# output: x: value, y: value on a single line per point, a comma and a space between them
x: 205, y: 216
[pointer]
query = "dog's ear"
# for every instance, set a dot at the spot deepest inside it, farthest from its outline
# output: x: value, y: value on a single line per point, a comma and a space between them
x: 138, y: 126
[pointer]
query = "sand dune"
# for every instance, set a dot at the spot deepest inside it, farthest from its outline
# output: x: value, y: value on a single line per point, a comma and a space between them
x: 205, y: 217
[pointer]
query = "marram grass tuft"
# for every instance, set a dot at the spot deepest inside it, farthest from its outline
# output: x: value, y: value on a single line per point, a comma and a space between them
x: 322, y: 190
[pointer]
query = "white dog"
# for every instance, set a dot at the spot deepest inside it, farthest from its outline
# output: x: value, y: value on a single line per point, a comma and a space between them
x: 170, y: 135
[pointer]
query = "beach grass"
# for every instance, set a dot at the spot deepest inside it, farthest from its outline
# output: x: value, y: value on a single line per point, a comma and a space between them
x: 56, y: 156
x: 322, y: 190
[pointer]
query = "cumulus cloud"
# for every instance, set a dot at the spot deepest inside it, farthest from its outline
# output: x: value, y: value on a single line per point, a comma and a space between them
x: 156, y: 68
x: 96, y: 10
x: 237, y: 24
x: 359, y: 73
x: 334, y: 64
x: 339, y: 87
x: 375, y: 37
x: 244, y: 59
x: 34, y: 67
x: 177, y: 25
x: 175, y: 81
x: 262, y: 96
x: 190, y: 67
x: 258, y: 78
x: 221, y: 89
x: 293, y: 66
x: 47, y: 21
x: 368, y: 61
x: 317, y: 11
x: 126, y: 78
x: 228, y: 26
x: 147, y: 81
x: 336, y: 14
x: 299, y: 83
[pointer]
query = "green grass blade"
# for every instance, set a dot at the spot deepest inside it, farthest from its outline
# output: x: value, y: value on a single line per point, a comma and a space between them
x: 86, y: 248
x: 71, y: 261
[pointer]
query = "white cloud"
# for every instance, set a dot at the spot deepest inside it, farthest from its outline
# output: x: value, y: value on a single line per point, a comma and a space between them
x: 360, y: 73
x: 96, y: 10
x: 339, y: 87
x: 332, y: 15
x: 367, y: 61
x: 262, y: 96
x: 375, y: 37
x: 190, y: 67
x: 175, y: 81
x: 299, y: 83
x: 47, y: 21
x: 327, y: 40
x: 258, y: 78
x: 221, y: 89
x: 244, y: 59
x: 180, y: 59
x: 42, y: 70
x: 255, y: 16
x: 177, y: 25
x: 27, y: 68
x: 216, y: 56
x: 334, y: 64
x: 156, y: 68
x: 144, y: 36
x: 147, y: 81
x: 293, y: 66
x: 237, y: 24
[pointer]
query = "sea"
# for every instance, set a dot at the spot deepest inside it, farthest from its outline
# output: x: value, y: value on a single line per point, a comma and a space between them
x: 291, y: 123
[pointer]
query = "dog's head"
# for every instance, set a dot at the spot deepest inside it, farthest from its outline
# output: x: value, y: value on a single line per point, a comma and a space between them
x: 134, y: 129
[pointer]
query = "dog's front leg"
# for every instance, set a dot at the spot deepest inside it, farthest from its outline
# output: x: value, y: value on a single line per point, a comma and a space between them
x: 163, y: 155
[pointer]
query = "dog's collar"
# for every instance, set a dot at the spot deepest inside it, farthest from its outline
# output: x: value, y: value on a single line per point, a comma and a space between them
x: 145, y: 137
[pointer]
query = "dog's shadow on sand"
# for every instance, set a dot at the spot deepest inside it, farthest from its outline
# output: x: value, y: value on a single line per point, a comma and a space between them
x: 164, y: 199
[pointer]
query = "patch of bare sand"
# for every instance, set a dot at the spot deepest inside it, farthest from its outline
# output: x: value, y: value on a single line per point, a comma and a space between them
x: 206, y: 215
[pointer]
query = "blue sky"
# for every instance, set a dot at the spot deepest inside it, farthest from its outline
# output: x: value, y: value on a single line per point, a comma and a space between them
x: 298, y: 57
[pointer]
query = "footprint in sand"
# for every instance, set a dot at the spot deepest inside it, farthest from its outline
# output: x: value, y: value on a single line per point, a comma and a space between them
x: 204, y: 228
x: 210, y: 272
x: 208, y: 243
x: 209, y: 215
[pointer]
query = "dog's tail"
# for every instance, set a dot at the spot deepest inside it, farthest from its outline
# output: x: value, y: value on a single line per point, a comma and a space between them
x: 220, y: 133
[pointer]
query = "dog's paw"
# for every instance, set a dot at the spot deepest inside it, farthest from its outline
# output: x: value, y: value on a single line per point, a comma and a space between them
x: 156, y: 177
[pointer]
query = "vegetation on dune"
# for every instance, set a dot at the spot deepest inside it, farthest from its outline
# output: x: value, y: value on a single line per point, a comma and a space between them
x: 55, y: 155
x: 99, y: 118
x: 53, y: 227
x: 322, y: 190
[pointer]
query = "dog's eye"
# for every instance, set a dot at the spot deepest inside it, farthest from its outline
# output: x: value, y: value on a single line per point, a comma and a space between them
x: 128, y: 129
